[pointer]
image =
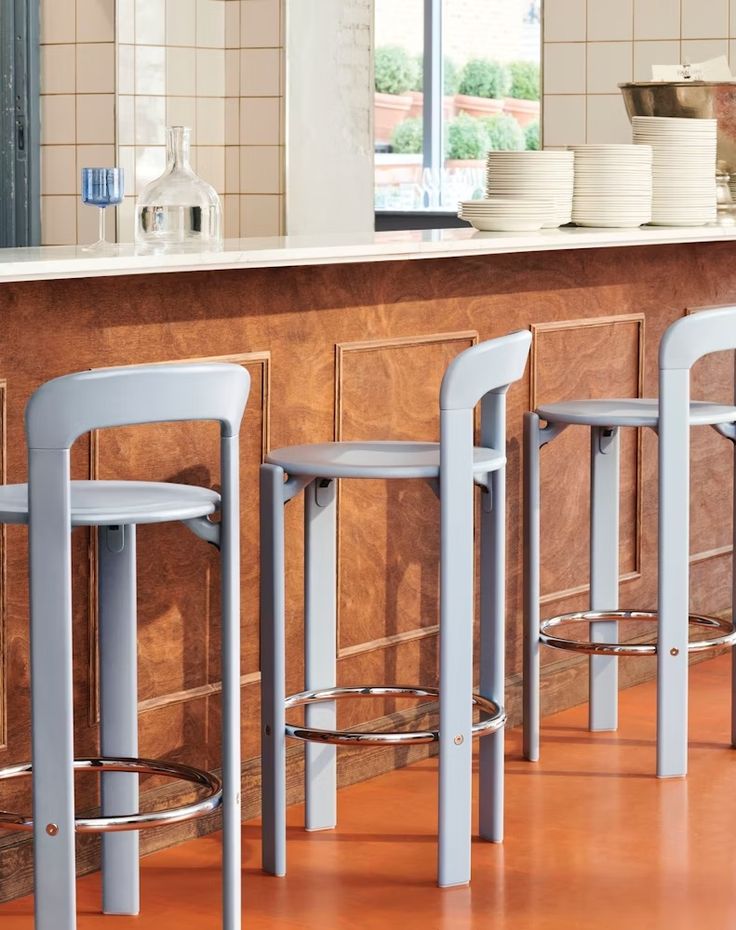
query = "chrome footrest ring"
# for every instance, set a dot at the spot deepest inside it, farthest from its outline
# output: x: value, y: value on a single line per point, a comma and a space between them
x: 494, y: 719
x: 726, y: 629
x: 211, y: 800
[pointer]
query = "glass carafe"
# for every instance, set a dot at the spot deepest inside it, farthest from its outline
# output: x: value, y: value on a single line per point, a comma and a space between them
x: 178, y: 211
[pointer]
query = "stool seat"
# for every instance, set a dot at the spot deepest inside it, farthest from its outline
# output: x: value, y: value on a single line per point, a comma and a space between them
x: 635, y: 411
x: 374, y: 460
x: 109, y: 503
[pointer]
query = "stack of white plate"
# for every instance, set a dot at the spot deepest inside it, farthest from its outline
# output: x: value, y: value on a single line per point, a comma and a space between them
x: 548, y: 173
x: 613, y: 185
x: 684, y: 168
x: 507, y: 214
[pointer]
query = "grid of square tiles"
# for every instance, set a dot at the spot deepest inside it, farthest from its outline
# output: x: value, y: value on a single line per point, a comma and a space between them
x: 77, y: 111
x: 115, y: 75
x: 216, y: 66
x: 590, y: 46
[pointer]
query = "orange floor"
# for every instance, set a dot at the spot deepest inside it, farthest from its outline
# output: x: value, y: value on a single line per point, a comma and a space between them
x: 593, y: 841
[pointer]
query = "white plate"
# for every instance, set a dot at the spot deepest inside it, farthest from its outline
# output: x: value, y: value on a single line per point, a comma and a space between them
x: 681, y: 222
x: 642, y: 216
x: 517, y: 181
x: 613, y: 224
x: 687, y: 137
x: 615, y: 175
x: 540, y: 215
x: 683, y: 207
x: 670, y: 138
x: 693, y: 172
x: 581, y: 162
x: 679, y: 145
x: 669, y: 125
x: 499, y: 224
x: 613, y: 214
x: 612, y: 191
x: 500, y: 185
x: 641, y: 164
x: 541, y: 156
x: 691, y: 202
x: 520, y: 203
x: 618, y: 184
x: 546, y: 171
x: 627, y: 210
x: 531, y: 176
x: 602, y: 147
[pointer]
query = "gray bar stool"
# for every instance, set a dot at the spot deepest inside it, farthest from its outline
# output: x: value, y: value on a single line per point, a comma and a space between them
x: 683, y: 344
x: 56, y: 416
x: 482, y: 373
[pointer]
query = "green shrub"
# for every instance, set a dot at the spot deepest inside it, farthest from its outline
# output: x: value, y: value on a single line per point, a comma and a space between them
x: 524, y: 80
x: 466, y: 138
x: 452, y: 75
x: 406, y: 139
x: 531, y: 136
x: 395, y: 70
x: 504, y: 133
x: 482, y: 77
x: 418, y: 84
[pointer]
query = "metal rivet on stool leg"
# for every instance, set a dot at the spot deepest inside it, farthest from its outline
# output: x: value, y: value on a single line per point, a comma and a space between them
x: 52, y: 829
x: 674, y: 651
x: 267, y: 730
x: 458, y: 741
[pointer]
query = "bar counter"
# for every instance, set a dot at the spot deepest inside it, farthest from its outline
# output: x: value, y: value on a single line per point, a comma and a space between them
x: 348, y: 339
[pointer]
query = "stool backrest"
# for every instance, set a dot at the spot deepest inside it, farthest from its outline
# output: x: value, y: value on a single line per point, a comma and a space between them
x: 489, y: 367
x: 63, y: 409
x: 696, y: 335
x: 684, y: 342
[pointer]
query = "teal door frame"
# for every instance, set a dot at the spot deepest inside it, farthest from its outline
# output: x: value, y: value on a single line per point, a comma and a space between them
x: 20, y: 124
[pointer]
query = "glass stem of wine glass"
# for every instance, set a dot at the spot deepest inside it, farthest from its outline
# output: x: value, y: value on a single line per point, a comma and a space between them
x: 102, y: 225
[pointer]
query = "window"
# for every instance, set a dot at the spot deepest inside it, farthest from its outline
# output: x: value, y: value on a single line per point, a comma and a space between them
x: 453, y: 80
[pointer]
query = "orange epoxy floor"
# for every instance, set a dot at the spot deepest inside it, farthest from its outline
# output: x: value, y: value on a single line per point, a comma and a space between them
x: 593, y: 841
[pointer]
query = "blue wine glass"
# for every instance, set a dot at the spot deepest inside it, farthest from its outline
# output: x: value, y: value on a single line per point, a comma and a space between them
x: 102, y: 187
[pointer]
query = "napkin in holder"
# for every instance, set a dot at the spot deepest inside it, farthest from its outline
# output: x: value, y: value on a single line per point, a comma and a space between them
x: 715, y: 69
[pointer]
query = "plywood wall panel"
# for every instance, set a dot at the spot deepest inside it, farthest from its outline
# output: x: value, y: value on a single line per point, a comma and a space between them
x: 291, y: 327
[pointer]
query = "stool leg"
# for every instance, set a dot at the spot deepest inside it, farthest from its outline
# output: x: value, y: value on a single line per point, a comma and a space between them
x: 674, y: 565
x: 118, y: 711
x: 231, y: 687
x: 456, y: 646
x: 52, y: 688
x: 604, y: 535
x: 320, y: 648
x: 531, y: 587
x: 492, y: 652
x: 273, y: 684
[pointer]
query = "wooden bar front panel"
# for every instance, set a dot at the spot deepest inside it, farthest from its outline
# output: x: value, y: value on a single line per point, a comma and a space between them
x: 348, y: 352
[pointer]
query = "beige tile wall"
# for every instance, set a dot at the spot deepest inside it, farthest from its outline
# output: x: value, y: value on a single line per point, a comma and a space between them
x: 77, y: 110
x: 254, y: 152
x: 592, y: 45
x: 214, y: 65
x: 115, y: 75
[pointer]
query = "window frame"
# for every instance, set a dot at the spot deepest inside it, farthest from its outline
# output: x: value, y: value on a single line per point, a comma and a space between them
x: 20, y: 124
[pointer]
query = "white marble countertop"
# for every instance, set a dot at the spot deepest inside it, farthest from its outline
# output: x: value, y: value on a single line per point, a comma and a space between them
x: 57, y: 262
